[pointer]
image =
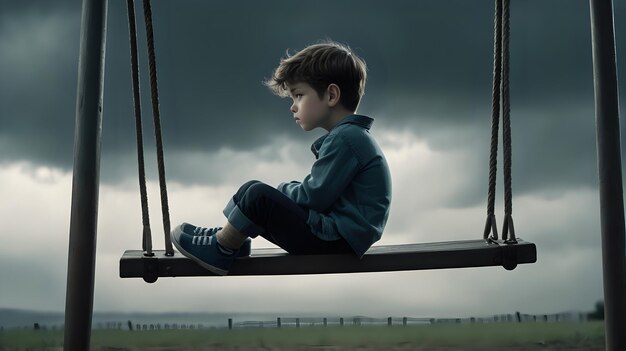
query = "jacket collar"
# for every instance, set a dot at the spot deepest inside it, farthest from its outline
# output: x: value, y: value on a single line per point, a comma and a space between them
x: 359, y: 120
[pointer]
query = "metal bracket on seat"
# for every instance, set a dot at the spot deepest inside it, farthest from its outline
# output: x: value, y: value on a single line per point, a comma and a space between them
x: 508, y: 250
x: 509, y: 255
x: 150, y: 268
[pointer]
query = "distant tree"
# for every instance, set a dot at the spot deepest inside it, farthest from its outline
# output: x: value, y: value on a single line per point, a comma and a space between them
x: 598, y: 313
x: 130, y: 325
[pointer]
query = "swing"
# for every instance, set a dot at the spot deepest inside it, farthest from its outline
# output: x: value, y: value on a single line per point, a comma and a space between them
x: 507, y: 252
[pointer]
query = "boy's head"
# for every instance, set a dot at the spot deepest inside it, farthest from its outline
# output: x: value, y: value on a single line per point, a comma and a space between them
x: 320, y: 65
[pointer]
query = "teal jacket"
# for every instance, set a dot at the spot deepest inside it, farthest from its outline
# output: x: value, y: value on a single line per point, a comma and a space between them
x: 348, y: 192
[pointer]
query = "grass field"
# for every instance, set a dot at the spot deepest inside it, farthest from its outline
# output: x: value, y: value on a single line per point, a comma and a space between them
x: 497, y: 334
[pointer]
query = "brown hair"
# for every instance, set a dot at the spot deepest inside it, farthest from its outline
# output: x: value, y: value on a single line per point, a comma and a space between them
x: 320, y: 65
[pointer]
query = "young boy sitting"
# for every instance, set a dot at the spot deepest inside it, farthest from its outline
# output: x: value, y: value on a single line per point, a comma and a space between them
x: 342, y: 206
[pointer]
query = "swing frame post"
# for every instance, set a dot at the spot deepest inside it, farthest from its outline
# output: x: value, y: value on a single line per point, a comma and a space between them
x: 86, y: 177
x: 609, y: 172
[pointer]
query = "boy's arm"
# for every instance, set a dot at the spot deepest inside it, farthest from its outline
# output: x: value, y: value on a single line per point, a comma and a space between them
x: 330, y: 175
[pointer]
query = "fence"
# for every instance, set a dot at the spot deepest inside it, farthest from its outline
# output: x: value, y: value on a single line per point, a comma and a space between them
x: 403, y: 321
x: 298, y: 322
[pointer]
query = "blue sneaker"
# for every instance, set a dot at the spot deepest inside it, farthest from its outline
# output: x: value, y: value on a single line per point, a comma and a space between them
x: 205, y: 250
x: 188, y: 228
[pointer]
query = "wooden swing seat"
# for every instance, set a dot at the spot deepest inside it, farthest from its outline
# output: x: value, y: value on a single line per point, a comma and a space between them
x: 275, y: 261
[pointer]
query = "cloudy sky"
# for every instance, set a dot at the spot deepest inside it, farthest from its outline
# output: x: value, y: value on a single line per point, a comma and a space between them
x: 429, y: 91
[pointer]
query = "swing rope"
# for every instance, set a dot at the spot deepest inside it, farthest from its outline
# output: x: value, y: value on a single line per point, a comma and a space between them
x: 145, y: 216
x: 500, y: 98
x: 154, y: 94
x: 490, y: 225
x: 508, y: 227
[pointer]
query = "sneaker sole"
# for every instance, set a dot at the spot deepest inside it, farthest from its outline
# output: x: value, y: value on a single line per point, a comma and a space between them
x: 213, y: 269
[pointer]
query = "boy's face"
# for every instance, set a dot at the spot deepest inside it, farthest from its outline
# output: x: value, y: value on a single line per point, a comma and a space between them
x: 308, y: 109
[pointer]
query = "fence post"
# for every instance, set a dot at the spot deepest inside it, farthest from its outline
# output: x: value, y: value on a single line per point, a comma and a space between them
x: 389, y: 321
x: 230, y: 323
x: 297, y: 322
x: 278, y: 322
x: 404, y: 320
x: 325, y: 321
x: 341, y: 321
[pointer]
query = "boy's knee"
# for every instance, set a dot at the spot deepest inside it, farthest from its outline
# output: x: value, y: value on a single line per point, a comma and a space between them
x: 250, y: 183
x: 245, y: 186
x: 256, y: 196
x: 259, y: 189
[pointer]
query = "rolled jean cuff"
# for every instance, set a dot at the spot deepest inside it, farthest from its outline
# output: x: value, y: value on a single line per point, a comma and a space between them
x: 240, y: 221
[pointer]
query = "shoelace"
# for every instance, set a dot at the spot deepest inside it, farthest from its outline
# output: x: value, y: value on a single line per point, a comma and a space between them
x: 205, y: 237
x: 206, y: 231
x: 202, y: 240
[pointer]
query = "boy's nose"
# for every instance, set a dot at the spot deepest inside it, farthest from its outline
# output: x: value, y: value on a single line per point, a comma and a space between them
x: 293, y: 108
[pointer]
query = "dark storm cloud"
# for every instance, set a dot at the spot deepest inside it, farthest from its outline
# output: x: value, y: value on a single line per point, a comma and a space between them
x: 430, y: 68
x: 38, y: 61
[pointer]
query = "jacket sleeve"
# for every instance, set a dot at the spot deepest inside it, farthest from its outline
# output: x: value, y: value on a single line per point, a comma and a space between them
x: 335, y: 167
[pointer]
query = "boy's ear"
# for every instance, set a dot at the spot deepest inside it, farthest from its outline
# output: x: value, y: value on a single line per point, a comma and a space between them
x: 334, y: 93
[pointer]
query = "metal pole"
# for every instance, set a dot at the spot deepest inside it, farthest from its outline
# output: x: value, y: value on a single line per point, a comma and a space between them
x: 609, y: 172
x: 84, y: 215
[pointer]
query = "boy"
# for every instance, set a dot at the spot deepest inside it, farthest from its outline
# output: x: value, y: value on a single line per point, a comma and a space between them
x: 342, y: 205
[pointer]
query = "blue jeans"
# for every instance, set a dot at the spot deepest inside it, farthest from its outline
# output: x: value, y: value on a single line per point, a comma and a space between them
x: 260, y: 209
